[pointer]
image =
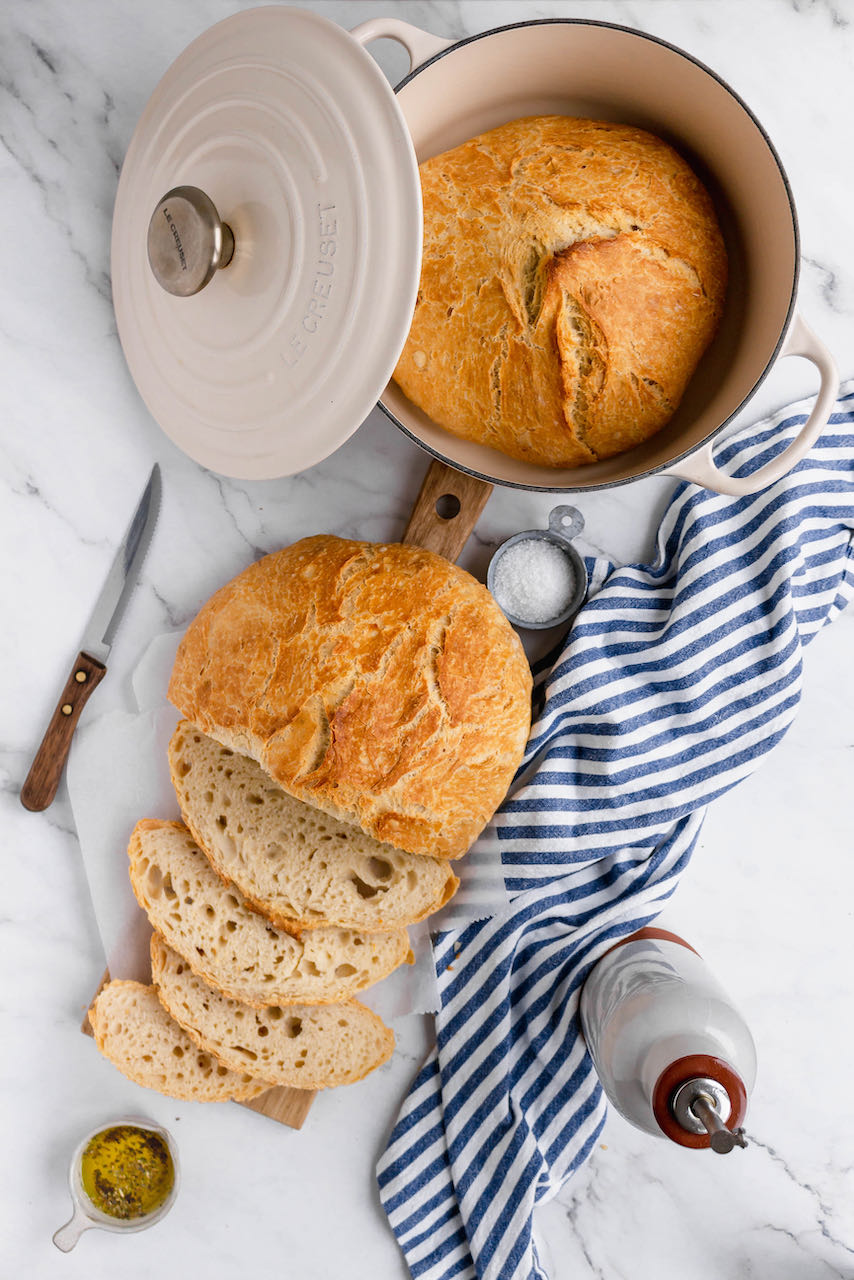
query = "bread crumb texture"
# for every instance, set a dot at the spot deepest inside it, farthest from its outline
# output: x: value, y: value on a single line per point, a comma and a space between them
x: 378, y: 682
x: 134, y: 1031
x: 300, y: 1046
x: 573, y: 274
x: 299, y: 866
x: 235, y: 949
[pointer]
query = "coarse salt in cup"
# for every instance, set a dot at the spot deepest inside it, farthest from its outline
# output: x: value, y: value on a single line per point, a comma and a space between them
x: 537, y: 577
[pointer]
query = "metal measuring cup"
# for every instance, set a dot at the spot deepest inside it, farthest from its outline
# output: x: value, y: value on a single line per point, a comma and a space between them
x: 565, y: 523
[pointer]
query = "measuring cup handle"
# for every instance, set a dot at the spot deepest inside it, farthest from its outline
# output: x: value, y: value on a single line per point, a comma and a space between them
x: 566, y: 522
x: 68, y: 1235
x: 700, y: 467
x: 420, y: 45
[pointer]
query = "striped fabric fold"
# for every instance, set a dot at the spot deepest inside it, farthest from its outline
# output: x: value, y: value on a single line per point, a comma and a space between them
x: 674, y: 682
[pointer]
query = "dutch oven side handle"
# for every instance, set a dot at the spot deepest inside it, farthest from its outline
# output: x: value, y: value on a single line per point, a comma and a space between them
x: 700, y: 467
x: 420, y: 45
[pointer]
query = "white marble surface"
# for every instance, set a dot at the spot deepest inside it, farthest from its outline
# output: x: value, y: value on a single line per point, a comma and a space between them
x: 75, y: 446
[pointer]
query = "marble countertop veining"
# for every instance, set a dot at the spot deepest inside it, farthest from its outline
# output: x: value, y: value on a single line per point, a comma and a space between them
x: 76, y: 443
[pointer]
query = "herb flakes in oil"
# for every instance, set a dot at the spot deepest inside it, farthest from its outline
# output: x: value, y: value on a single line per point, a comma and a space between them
x: 127, y: 1172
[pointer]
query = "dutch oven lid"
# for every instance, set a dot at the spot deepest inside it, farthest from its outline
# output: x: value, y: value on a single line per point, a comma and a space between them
x: 277, y: 129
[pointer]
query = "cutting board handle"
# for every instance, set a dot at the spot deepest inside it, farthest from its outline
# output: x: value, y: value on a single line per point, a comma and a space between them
x: 446, y: 510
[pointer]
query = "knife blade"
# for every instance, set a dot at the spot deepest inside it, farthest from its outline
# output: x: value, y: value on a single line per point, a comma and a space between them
x: 90, y: 666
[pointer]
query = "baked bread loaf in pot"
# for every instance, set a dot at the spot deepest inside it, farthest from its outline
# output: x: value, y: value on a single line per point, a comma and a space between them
x: 572, y: 275
x: 601, y: 72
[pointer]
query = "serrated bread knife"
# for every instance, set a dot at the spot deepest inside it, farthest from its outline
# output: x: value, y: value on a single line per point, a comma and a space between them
x: 90, y: 666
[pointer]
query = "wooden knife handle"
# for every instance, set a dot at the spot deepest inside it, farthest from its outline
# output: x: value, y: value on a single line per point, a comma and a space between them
x: 446, y: 510
x: 42, y: 781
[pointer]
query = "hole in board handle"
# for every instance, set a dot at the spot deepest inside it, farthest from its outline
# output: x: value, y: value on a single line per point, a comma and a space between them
x: 447, y: 506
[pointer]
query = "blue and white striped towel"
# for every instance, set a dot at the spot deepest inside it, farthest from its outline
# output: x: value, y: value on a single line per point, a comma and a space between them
x: 675, y: 681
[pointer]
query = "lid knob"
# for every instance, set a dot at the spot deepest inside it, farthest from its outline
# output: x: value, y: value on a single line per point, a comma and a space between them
x: 187, y: 241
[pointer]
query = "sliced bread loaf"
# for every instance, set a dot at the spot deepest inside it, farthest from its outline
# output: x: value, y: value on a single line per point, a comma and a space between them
x: 133, y: 1030
x: 312, y: 1046
x: 234, y: 948
x: 375, y: 681
x: 299, y: 866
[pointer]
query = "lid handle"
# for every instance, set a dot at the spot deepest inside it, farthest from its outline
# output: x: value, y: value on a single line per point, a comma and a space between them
x: 187, y: 241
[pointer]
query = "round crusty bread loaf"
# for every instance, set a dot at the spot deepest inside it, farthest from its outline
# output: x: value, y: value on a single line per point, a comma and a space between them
x: 380, y: 683
x: 573, y: 274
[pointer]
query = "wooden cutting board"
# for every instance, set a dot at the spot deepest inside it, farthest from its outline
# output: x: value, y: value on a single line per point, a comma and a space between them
x: 445, y: 513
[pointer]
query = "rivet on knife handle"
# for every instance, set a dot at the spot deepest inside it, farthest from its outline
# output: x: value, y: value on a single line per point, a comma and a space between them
x: 42, y: 781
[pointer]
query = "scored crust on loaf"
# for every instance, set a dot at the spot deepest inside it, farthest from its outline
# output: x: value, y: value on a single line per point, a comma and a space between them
x: 296, y: 864
x: 133, y: 1030
x: 302, y: 1046
x: 234, y: 948
x: 573, y: 274
x: 377, y: 682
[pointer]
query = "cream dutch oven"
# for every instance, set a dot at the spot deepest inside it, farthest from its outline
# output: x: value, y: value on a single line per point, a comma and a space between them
x: 267, y: 234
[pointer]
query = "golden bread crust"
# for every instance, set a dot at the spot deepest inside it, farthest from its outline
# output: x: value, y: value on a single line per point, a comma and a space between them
x: 378, y: 682
x: 573, y: 274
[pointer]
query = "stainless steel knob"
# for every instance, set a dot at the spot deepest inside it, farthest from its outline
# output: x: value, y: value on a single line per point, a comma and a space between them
x: 187, y: 241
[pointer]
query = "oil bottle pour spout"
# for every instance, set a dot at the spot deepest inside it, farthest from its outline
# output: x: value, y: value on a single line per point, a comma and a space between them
x: 702, y: 1105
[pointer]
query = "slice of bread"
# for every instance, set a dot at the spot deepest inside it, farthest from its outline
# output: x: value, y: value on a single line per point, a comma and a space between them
x: 299, y: 866
x: 312, y: 1046
x: 234, y: 948
x: 136, y: 1034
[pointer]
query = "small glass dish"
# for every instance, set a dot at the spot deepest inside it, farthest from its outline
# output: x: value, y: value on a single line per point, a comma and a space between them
x: 86, y: 1214
x: 565, y: 523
